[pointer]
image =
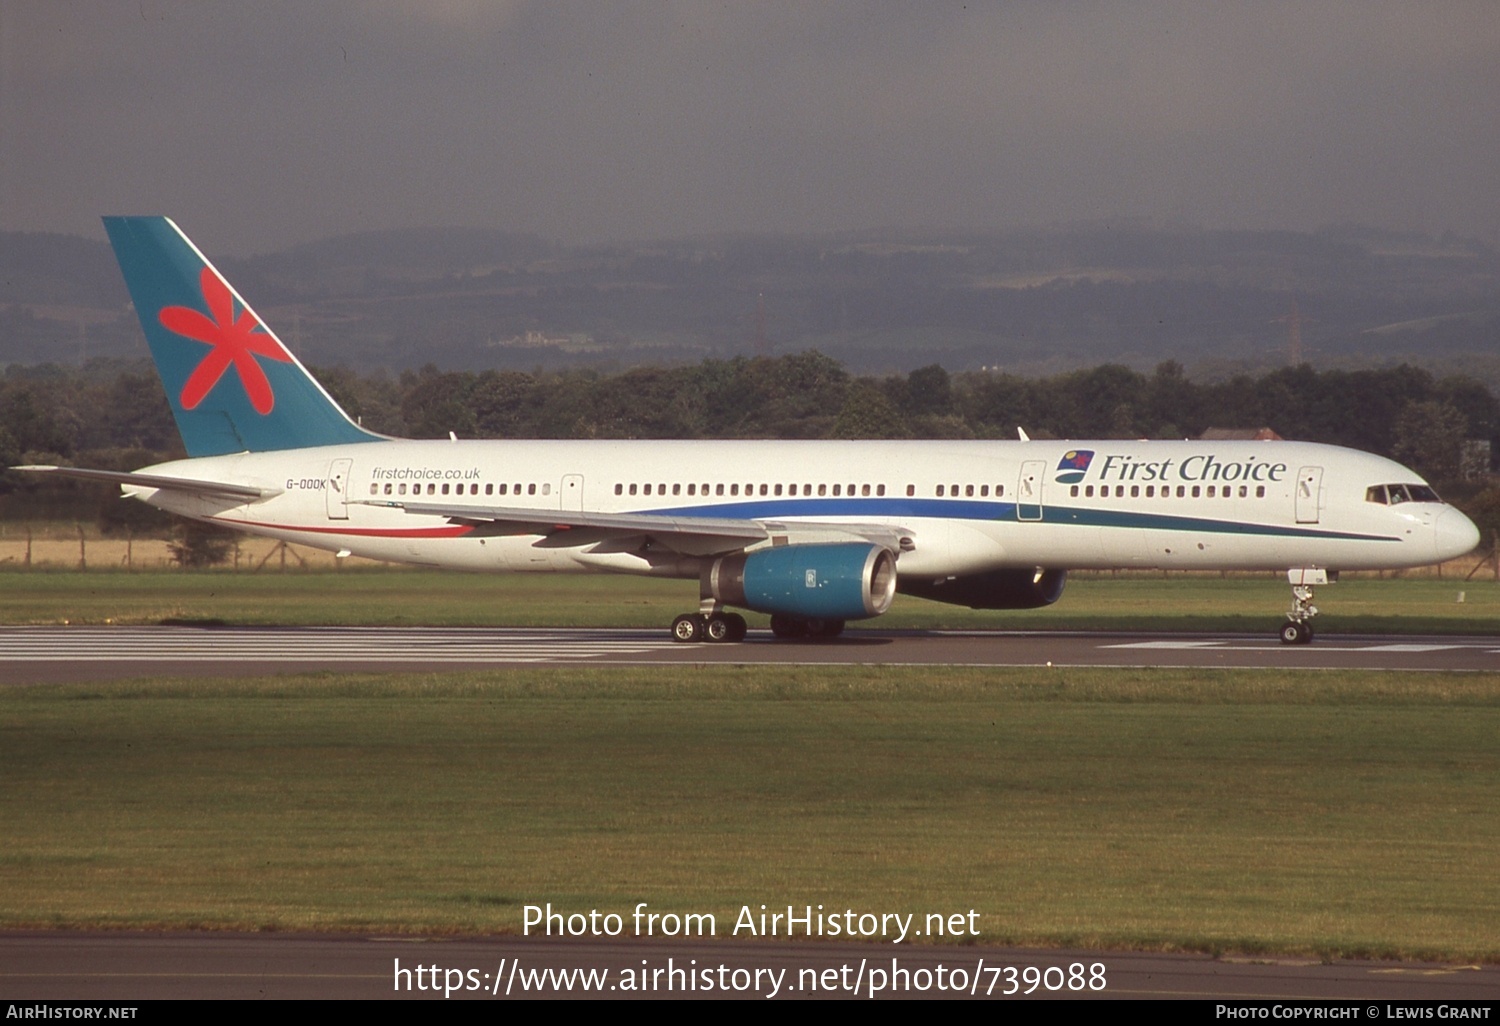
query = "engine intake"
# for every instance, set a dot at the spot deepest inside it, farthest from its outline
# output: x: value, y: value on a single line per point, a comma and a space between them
x: 842, y: 581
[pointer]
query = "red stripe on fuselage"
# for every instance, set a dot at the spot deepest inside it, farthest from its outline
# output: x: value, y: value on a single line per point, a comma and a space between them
x: 451, y: 531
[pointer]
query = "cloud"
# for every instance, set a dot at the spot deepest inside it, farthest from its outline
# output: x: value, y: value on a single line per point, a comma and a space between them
x: 260, y: 124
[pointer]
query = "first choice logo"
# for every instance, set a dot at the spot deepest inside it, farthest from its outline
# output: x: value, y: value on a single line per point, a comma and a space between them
x: 1196, y: 468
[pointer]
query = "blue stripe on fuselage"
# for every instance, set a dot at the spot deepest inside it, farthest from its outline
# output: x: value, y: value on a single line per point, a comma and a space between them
x: 994, y: 512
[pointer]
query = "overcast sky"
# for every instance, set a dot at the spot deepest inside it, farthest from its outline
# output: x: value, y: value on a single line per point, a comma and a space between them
x: 260, y: 124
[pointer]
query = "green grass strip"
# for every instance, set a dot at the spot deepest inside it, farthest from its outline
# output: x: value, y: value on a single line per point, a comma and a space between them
x: 1325, y: 813
x: 395, y: 597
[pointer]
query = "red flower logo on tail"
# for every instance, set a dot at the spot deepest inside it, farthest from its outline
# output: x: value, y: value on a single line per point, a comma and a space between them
x: 235, y: 340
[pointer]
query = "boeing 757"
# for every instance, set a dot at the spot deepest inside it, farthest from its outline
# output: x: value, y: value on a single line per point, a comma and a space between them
x: 814, y: 533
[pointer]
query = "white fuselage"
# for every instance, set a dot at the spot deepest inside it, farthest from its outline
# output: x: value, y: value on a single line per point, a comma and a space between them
x: 967, y: 506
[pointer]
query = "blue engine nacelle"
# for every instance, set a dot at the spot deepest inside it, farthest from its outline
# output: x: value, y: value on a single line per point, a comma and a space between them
x: 994, y: 589
x: 843, y: 581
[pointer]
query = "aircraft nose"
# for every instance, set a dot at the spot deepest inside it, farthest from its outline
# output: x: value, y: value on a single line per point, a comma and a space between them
x: 1454, y: 534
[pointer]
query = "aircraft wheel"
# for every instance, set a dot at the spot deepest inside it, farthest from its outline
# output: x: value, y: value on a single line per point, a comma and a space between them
x: 718, y: 628
x: 737, y: 626
x: 832, y: 628
x: 688, y: 627
x: 788, y: 626
x: 1294, y: 632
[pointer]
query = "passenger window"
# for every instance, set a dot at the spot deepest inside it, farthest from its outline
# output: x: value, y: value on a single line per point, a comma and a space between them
x: 1260, y: 491
x: 822, y: 489
x: 911, y: 490
x: 432, y: 489
x: 984, y: 491
x: 489, y: 489
x: 1195, y: 491
x: 401, y: 489
x: 387, y: 489
x: 879, y: 489
x: 1073, y: 491
x: 1088, y: 491
x: 999, y: 490
x: 718, y: 489
x: 940, y: 491
x: 1119, y: 491
x: 677, y: 489
x: 763, y: 489
x: 850, y: 491
x: 692, y: 489
x: 1182, y: 490
x: 734, y: 489
x: 632, y: 489
x: 837, y: 489
x: 807, y: 489
x: 1151, y: 491
x: 777, y: 489
x: 1210, y: 491
x: 445, y: 489
x: 374, y: 488
x: 968, y: 491
x: 547, y: 488
x: 1135, y: 491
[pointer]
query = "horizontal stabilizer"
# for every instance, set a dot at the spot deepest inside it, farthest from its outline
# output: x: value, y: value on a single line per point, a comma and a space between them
x: 218, y: 489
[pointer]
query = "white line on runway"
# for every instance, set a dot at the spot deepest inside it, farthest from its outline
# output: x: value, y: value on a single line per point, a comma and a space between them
x: 352, y: 645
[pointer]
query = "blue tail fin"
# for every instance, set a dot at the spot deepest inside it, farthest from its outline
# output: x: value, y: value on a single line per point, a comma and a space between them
x: 233, y: 386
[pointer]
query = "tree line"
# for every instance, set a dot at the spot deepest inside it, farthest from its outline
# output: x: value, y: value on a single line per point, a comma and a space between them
x: 113, y: 414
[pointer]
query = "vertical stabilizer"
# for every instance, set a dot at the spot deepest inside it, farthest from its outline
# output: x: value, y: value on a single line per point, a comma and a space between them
x: 232, y: 385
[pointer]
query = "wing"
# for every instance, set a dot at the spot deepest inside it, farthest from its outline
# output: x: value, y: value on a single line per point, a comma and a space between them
x: 692, y: 536
x: 213, y: 489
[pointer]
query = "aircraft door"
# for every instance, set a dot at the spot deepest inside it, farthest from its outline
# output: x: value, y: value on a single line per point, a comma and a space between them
x: 336, y: 494
x: 1309, y: 494
x: 1029, y: 490
x: 572, y: 493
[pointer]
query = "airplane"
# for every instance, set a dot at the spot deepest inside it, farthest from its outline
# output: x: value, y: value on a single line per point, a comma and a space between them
x: 814, y: 533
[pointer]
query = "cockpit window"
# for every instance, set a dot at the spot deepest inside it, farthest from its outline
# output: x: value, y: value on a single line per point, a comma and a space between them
x: 1394, y: 494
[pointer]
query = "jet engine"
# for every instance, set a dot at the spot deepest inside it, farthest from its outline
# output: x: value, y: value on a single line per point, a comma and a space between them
x: 840, y: 581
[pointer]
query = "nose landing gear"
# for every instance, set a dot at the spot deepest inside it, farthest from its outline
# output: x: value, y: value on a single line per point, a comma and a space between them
x: 1298, y: 627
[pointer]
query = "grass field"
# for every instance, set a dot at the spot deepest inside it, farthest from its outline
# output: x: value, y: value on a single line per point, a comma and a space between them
x: 405, y: 597
x: 1326, y: 813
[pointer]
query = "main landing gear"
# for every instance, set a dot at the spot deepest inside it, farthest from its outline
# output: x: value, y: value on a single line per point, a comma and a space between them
x: 798, y: 627
x: 1298, y: 627
x: 716, y: 626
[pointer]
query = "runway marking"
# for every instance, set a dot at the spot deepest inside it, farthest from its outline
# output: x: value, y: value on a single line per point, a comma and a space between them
x: 344, y: 645
x: 1273, y: 646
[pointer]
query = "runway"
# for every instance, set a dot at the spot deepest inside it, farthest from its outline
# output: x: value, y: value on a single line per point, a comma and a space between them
x: 31, y: 655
